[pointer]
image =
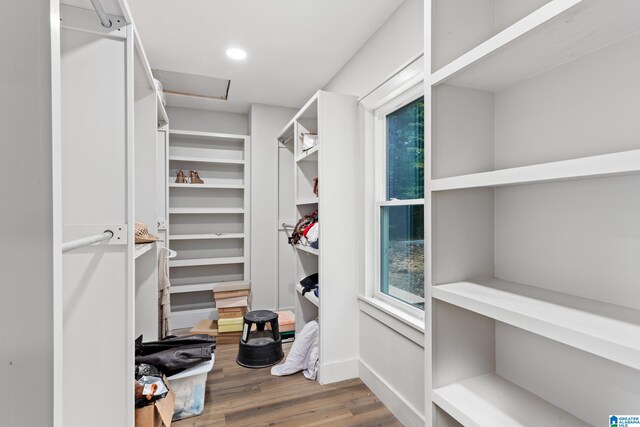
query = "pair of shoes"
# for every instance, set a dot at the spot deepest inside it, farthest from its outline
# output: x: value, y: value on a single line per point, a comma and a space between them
x: 193, y: 176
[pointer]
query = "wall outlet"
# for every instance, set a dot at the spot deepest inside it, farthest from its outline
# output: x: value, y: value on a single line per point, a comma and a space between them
x: 162, y: 224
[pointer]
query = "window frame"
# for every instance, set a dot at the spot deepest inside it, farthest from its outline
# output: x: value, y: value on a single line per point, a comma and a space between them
x: 380, y: 190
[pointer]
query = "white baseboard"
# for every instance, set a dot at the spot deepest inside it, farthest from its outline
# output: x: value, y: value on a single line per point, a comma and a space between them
x: 404, y: 411
x: 338, y: 371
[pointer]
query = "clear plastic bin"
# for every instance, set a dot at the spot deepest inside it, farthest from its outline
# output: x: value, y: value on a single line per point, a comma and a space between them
x: 189, y: 387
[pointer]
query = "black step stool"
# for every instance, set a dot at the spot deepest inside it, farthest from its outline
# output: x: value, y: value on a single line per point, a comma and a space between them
x: 260, y: 348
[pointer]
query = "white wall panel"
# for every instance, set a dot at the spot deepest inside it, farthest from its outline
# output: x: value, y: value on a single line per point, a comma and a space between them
x: 397, y: 41
x: 26, y: 216
x: 266, y: 122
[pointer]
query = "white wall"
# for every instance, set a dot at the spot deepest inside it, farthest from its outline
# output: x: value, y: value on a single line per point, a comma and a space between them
x: 398, y: 40
x: 207, y: 121
x: 391, y: 364
x: 265, y: 123
x: 26, y: 217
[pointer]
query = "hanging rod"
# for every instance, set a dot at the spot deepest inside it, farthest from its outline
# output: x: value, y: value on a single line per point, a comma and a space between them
x: 85, y: 241
x: 104, y: 19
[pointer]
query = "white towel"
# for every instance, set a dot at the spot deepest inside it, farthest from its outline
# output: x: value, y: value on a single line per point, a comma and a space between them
x: 303, y: 355
x: 164, y: 302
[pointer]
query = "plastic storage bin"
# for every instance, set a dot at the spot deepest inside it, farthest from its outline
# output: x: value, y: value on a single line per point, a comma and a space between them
x: 189, y: 387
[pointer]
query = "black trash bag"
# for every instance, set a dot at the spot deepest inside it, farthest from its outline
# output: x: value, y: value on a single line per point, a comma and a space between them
x: 175, y: 360
x: 146, y: 370
x: 146, y: 348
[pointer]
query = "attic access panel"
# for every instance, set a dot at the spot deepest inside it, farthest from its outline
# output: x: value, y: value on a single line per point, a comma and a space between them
x: 193, y: 85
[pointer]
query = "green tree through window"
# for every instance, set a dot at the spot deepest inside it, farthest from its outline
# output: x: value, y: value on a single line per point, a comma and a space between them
x: 402, y: 226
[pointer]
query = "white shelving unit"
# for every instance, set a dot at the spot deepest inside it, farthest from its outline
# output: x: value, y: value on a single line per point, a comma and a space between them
x: 208, y: 222
x: 334, y: 118
x: 533, y: 313
x: 109, y: 118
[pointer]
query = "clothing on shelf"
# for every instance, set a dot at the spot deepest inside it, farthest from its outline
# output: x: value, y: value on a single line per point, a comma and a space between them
x: 302, y: 229
x: 164, y: 302
x: 310, y: 283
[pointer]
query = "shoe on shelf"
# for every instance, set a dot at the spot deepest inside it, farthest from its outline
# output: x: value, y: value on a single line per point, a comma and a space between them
x: 181, y: 178
x: 195, y: 178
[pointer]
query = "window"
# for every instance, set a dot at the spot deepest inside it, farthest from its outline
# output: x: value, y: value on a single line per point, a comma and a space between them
x: 399, y: 171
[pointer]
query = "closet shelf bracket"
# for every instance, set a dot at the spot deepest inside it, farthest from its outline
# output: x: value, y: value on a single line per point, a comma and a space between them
x: 77, y: 236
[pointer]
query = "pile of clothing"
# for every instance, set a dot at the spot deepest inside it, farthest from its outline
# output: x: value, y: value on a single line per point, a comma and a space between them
x: 167, y: 357
x: 307, y: 231
x: 310, y: 284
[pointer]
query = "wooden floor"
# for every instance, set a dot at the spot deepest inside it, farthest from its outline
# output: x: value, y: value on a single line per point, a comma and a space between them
x: 238, y: 396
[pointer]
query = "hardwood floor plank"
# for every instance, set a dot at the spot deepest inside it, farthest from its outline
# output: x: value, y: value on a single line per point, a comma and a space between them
x: 242, y: 397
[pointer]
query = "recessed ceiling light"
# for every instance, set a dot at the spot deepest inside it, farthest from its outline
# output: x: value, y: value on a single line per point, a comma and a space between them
x: 235, y: 53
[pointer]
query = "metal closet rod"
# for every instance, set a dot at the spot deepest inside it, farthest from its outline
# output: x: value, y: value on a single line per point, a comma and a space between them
x: 104, y: 19
x: 86, y: 241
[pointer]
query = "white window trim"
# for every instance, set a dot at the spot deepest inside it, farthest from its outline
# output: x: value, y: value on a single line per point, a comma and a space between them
x: 409, y: 76
x: 380, y: 190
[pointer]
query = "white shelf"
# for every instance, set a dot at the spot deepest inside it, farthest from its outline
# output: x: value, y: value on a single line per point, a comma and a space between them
x: 205, y: 160
x: 206, y: 236
x: 215, y: 287
x: 310, y: 155
x: 143, y: 248
x: 606, y: 330
x: 307, y: 201
x: 310, y: 109
x: 206, y: 186
x: 185, y: 211
x: 587, y: 167
x: 205, y: 261
x: 207, y: 135
x: 491, y: 401
x: 308, y: 249
x: 556, y: 33
x: 308, y: 295
x: 286, y: 135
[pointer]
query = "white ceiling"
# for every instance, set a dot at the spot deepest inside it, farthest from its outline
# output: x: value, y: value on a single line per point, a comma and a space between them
x: 294, y: 46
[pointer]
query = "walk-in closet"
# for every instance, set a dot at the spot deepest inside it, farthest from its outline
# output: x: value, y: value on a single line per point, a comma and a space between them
x: 320, y: 213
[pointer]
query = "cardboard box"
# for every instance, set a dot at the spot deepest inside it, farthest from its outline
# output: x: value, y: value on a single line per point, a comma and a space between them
x: 210, y: 327
x: 160, y: 412
x: 233, y: 324
x: 206, y: 327
x: 231, y: 294
x: 232, y: 312
x: 233, y: 302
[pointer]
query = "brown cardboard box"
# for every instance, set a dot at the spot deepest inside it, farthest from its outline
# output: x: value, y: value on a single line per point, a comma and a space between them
x: 210, y: 327
x: 232, y: 312
x: 231, y: 294
x: 206, y: 327
x: 160, y: 412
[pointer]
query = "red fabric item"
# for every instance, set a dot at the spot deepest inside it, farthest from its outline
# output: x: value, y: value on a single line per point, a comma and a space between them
x: 306, y: 230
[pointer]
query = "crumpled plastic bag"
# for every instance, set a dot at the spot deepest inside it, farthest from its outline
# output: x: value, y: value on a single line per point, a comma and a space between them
x: 303, y: 355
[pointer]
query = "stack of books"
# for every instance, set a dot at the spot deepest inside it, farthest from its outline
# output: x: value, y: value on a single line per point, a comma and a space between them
x: 286, y: 325
x: 232, y: 306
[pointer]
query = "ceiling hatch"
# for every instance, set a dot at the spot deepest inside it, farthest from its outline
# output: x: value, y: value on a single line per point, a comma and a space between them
x: 193, y: 85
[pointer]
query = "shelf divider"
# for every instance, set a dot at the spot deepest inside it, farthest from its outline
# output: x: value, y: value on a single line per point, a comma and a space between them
x: 555, y: 34
x: 214, y: 287
x: 205, y: 261
x: 605, y: 330
x: 207, y: 236
x: 308, y: 295
x: 604, y: 165
x: 490, y: 400
x: 177, y: 211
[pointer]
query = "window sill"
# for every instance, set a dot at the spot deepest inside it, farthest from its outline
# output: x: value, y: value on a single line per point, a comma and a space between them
x: 403, y: 323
